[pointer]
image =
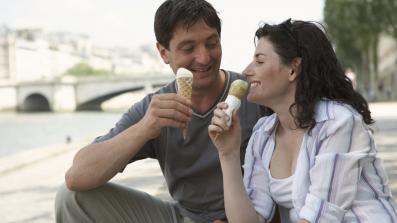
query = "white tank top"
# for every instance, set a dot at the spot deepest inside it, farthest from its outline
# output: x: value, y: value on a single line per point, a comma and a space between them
x: 281, y: 192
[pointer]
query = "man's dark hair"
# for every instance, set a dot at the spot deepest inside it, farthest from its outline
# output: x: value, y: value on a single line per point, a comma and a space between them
x: 321, y: 75
x: 183, y: 12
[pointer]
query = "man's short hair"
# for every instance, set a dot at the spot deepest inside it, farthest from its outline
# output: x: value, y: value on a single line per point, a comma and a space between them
x: 173, y: 13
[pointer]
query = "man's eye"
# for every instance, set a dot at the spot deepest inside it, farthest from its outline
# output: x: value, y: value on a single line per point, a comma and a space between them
x: 187, y: 49
x: 212, y: 45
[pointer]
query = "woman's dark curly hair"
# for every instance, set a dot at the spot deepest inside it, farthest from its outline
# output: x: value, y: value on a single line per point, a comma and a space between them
x: 321, y: 75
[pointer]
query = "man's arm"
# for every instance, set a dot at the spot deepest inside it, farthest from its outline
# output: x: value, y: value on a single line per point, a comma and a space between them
x: 97, y: 163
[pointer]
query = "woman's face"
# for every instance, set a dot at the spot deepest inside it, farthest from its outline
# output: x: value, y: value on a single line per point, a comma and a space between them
x: 270, y: 80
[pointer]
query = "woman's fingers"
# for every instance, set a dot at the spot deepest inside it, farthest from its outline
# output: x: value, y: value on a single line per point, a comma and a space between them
x: 220, y: 119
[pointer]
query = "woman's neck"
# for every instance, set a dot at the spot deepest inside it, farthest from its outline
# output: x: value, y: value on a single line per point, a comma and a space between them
x: 285, y: 114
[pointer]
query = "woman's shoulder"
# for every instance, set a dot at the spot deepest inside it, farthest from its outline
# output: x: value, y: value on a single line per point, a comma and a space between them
x: 334, y: 110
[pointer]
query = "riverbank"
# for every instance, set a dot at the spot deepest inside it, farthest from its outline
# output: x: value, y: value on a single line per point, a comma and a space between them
x: 29, y: 183
x: 23, y: 159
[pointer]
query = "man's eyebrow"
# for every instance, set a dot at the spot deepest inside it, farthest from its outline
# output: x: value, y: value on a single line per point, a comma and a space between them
x: 186, y: 42
x: 213, y: 36
x: 183, y: 43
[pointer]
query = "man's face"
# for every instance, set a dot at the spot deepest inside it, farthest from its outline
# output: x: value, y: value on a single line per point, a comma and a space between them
x: 197, y: 49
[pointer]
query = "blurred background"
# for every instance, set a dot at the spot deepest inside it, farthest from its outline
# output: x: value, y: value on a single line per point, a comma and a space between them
x: 69, y: 69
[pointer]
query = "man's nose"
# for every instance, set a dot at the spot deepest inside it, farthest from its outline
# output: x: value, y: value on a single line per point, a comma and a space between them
x: 202, y: 55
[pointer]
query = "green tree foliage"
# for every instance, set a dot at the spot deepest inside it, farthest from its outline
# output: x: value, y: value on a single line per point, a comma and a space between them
x: 83, y: 69
x: 389, y: 22
x: 355, y: 27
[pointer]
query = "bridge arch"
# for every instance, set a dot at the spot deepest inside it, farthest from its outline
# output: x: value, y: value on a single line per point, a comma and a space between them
x: 35, y: 102
x: 95, y: 104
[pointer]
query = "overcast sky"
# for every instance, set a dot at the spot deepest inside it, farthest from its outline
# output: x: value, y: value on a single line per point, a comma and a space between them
x: 129, y: 23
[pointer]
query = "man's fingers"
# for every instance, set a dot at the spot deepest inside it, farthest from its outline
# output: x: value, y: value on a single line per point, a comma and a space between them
x: 173, y: 97
x: 172, y: 114
x: 163, y: 103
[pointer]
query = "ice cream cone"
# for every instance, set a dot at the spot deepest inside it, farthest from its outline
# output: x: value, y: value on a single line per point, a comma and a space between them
x: 237, y: 90
x: 184, y: 79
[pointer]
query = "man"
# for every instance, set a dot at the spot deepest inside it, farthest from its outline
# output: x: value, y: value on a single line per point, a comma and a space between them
x: 188, y: 35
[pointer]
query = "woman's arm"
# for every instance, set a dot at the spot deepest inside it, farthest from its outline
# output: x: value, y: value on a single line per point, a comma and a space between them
x: 238, y: 206
x: 341, y: 145
x: 227, y: 140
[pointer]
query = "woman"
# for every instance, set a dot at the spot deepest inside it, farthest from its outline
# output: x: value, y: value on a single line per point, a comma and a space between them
x: 315, y: 157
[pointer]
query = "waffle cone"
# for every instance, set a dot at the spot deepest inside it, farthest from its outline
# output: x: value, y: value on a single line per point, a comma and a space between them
x: 185, y: 86
x: 184, y: 80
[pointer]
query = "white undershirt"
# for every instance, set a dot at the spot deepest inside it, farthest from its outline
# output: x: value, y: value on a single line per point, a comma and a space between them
x: 281, y: 192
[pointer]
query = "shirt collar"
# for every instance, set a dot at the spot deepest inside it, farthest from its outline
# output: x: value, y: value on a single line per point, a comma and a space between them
x: 322, y: 112
x: 271, y: 124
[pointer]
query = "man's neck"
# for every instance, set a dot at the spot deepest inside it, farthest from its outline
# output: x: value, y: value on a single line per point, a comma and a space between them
x: 204, y: 99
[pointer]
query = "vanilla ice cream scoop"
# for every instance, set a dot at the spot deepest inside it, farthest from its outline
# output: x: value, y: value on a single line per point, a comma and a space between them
x: 184, y: 80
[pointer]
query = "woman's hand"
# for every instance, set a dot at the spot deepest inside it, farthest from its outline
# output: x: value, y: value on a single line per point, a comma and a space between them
x: 226, y: 139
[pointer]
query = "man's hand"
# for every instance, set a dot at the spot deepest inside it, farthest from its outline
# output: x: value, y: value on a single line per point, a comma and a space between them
x: 166, y: 110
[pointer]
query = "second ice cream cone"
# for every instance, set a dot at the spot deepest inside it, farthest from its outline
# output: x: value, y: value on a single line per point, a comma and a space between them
x: 184, y: 79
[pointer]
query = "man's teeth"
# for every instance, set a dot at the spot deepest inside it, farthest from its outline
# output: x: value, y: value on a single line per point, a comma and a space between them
x: 202, y: 69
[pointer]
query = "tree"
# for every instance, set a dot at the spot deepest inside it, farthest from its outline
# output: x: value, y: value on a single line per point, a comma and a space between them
x: 354, y: 27
x: 83, y: 69
x: 389, y: 16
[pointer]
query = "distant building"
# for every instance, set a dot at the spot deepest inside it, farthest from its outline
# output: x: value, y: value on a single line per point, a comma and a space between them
x: 7, y: 54
x: 31, y: 54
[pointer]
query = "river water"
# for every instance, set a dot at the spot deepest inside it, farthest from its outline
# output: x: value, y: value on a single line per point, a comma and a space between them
x: 24, y: 131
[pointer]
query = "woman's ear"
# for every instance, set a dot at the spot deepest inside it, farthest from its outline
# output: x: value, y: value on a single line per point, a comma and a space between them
x: 295, y: 68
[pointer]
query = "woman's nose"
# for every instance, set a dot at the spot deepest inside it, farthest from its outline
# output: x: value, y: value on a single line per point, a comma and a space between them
x: 247, y: 70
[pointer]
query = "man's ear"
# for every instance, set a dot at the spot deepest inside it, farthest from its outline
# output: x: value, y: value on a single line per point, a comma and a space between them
x: 295, y: 68
x: 163, y: 53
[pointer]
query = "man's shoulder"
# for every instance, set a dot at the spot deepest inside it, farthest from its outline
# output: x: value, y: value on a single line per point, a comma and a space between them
x: 234, y: 75
x: 168, y: 88
x: 145, y: 101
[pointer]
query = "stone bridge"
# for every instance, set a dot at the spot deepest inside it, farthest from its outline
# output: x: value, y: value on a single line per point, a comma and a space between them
x: 72, y: 95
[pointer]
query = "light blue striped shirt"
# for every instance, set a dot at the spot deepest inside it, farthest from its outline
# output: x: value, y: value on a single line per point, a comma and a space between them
x: 338, y: 177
